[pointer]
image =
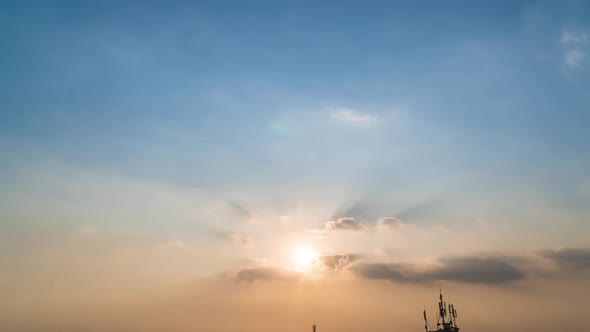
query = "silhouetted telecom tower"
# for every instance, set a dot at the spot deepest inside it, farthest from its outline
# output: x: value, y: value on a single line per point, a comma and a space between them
x: 313, y: 328
x: 444, y: 310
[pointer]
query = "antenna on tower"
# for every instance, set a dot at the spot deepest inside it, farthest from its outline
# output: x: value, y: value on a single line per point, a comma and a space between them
x: 442, y: 308
x: 446, y: 316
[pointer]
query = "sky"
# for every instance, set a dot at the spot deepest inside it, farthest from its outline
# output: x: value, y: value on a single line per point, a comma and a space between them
x: 263, y: 165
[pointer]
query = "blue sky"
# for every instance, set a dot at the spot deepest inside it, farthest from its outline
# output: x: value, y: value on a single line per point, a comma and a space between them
x: 208, y: 95
x: 179, y: 92
x: 220, y: 96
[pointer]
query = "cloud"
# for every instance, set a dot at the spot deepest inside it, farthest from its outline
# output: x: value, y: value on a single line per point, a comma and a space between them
x: 568, y: 37
x: 252, y: 274
x: 573, y: 57
x: 351, y: 116
x: 345, y: 223
x: 242, y: 212
x: 385, y: 271
x: 491, y: 269
x: 337, y: 262
x: 467, y: 269
x: 575, y: 46
x: 240, y: 239
x: 369, y: 206
x: 475, y: 269
x: 569, y: 258
x: 389, y: 223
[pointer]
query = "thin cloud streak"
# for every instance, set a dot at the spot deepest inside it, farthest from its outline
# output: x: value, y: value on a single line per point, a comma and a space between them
x: 266, y: 273
x: 350, y: 116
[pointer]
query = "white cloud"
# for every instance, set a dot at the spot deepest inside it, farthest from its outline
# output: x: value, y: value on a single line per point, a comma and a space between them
x: 573, y: 57
x: 568, y: 37
x: 353, y: 117
x: 574, y: 48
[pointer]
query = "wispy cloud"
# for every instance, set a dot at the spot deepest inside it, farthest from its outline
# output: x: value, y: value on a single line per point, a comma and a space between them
x: 573, y: 57
x: 242, y: 212
x: 575, y: 45
x: 337, y: 262
x: 240, y: 239
x: 345, y: 224
x: 568, y: 37
x: 355, y: 117
x: 267, y: 273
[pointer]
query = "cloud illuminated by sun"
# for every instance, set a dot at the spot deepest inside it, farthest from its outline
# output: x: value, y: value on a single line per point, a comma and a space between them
x: 304, y: 257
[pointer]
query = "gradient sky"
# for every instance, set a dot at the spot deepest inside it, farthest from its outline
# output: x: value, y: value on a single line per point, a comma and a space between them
x: 254, y: 166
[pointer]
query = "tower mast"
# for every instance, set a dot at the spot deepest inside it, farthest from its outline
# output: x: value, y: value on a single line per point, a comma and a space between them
x: 442, y: 309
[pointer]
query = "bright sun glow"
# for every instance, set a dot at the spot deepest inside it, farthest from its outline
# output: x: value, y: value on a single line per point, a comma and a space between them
x: 304, y: 257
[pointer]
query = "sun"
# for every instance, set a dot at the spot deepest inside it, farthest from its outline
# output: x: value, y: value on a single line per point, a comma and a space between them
x: 304, y: 257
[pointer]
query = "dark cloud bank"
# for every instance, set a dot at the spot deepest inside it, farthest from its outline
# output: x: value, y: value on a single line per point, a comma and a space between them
x: 462, y: 269
x: 569, y: 258
x: 498, y: 269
